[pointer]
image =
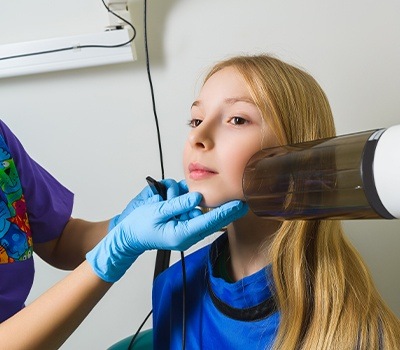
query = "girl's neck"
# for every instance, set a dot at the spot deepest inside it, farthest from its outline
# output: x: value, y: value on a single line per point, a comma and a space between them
x: 249, y: 241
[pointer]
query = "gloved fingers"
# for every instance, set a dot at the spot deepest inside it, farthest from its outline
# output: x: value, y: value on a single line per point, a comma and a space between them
x: 214, y: 220
x: 181, y: 235
x: 144, y: 194
x: 183, y: 187
x: 175, y: 189
x: 155, y: 198
x: 190, y: 214
x: 172, y: 191
x: 132, y: 214
x: 132, y: 205
x: 182, y: 204
x: 172, y: 188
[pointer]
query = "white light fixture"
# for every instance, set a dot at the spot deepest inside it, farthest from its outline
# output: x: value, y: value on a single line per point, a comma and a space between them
x: 67, y: 59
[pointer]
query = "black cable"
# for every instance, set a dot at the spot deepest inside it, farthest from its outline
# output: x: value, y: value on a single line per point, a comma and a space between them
x: 162, y: 176
x: 138, y: 330
x: 79, y: 46
x: 183, y: 301
x: 146, y: 49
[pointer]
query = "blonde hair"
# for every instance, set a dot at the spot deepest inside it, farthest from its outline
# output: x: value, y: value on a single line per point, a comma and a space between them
x: 323, y: 289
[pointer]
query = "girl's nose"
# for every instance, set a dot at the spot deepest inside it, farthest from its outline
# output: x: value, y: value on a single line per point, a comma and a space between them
x: 201, y: 137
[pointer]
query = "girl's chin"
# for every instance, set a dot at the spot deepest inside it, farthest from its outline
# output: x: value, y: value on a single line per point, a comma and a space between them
x: 216, y: 202
x: 213, y: 198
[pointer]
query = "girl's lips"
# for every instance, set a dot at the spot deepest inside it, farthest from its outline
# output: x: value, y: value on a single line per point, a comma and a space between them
x: 200, y: 172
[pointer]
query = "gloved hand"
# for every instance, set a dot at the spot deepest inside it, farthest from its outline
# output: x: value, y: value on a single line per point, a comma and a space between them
x: 174, y: 224
x: 174, y: 189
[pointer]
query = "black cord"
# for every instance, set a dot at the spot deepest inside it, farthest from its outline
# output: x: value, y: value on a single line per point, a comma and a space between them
x: 152, y: 90
x: 162, y: 176
x: 79, y: 46
x: 138, y: 330
x: 158, y: 138
x: 183, y: 301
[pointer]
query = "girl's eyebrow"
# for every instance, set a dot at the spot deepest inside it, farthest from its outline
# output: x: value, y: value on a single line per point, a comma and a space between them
x: 230, y: 101
x: 234, y: 100
x: 195, y: 104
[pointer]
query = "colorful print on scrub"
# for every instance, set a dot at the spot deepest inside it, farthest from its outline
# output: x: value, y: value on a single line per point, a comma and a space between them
x: 15, y: 235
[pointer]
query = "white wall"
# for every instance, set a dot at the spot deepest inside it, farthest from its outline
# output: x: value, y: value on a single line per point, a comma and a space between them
x: 94, y: 128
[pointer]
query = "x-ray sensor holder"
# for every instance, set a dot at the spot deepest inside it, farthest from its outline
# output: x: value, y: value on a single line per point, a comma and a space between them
x: 353, y: 176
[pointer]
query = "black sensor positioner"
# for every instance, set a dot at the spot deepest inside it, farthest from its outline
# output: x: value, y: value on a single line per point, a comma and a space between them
x: 163, y: 256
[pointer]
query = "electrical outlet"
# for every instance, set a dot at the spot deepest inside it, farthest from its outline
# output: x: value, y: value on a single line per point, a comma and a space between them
x: 120, y: 8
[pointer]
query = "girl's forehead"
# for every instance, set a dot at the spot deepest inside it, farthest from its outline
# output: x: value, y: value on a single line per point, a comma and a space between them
x: 225, y: 82
x: 225, y: 73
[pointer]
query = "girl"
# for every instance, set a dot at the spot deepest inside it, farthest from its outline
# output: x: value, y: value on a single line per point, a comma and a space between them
x: 265, y: 284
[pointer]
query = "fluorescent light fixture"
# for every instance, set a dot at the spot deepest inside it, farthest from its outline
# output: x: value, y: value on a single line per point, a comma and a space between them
x: 77, y: 57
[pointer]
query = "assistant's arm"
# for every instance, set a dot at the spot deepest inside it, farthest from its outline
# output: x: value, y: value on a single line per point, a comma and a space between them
x: 69, y: 249
x: 174, y: 224
x: 48, y: 321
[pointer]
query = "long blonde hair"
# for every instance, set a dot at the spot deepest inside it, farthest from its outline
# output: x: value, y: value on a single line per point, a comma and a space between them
x: 323, y: 289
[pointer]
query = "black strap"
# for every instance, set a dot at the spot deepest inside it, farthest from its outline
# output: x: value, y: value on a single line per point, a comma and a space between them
x: 254, y: 313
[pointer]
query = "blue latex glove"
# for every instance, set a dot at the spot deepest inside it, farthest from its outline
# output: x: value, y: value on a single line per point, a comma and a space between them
x: 174, y: 224
x: 174, y: 189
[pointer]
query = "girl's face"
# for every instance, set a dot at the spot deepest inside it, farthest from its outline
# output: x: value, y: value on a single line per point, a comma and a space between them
x: 227, y: 129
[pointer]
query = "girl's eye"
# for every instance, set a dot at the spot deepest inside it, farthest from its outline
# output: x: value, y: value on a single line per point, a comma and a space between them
x: 238, y: 121
x: 194, y: 123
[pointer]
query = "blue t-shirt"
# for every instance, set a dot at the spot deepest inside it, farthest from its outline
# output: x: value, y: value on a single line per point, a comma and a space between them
x: 240, y: 315
x: 34, y: 208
